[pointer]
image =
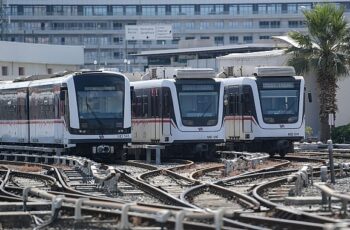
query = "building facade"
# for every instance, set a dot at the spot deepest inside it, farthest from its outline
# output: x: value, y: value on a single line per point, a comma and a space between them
x: 100, y: 25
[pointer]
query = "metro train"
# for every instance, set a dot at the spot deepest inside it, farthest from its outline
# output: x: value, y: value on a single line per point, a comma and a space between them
x: 80, y: 112
x: 265, y: 112
x: 183, y: 113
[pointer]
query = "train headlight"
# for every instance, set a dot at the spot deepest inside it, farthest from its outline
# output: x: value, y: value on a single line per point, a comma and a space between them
x: 187, y: 122
x: 211, y: 122
x: 269, y: 120
x: 103, y: 149
x: 292, y: 119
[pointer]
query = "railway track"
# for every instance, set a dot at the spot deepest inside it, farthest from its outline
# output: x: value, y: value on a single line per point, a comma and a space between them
x: 179, y: 190
x: 245, y: 183
x: 212, y: 197
x: 168, y: 181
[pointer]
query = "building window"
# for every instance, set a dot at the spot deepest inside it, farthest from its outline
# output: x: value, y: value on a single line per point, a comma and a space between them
x: 275, y: 24
x: 233, y: 9
x: 49, y: 71
x: 205, y: 38
x: 248, y: 39
x: 161, y: 10
x: 233, y: 39
x: 20, y: 71
x: 117, y: 10
x: 175, y: 41
x: 130, y: 10
x: 219, y: 40
x: 203, y: 25
x: 207, y: 9
x: 117, y: 25
x: 148, y: 10
x: 116, y: 55
x: 187, y: 10
x: 245, y: 9
x: 264, y: 37
x: 117, y: 40
x: 160, y: 42
x: 87, y: 11
x: 296, y: 24
x: 100, y: 10
x: 175, y: 10
x: 264, y: 24
x: 4, y: 71
x: 146, y: 42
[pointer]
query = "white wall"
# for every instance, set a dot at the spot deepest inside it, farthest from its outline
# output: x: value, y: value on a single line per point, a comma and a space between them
x: 41, y: 53
x: 343, y: 96
x: 38, y: 58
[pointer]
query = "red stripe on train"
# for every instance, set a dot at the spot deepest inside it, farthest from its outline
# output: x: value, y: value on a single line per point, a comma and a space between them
x: 26, y: 122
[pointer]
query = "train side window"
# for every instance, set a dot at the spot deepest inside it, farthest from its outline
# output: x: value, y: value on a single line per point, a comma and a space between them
x: 167, y: 103
x: 9, y: 106
x: 155, y: 102
x: 22, y: 110
x: 248, y: 107
x: 231, y: 102
x: 137, y: 103
x: 42, y: 102
x: 145, y: 103
x: 133, y: 102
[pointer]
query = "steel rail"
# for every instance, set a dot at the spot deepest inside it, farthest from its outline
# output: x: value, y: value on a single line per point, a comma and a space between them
x: 293, y: 213
x: 245, y: 199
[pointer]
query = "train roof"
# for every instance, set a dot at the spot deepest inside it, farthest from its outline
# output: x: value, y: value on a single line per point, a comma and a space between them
x: 48, y: 79
x: 161, y: 82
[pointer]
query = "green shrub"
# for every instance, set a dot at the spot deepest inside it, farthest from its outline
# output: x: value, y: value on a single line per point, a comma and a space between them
x: 341, y: 134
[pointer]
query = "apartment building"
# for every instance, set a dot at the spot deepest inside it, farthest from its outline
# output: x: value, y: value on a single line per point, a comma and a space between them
x: 99, y: 26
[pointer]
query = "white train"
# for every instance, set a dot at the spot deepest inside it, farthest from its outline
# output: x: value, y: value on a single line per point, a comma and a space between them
x: 265, y: 112
x: 82, y: 112
x: 184, y: 113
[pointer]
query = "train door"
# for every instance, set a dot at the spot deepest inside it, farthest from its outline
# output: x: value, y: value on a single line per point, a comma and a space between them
x: 248, y: 111
x: 166, y: 112
x: 22, y: 129
x: 233, y: 115
x: 155, y: 115
x: 63, y: 113
x: 59, y: 127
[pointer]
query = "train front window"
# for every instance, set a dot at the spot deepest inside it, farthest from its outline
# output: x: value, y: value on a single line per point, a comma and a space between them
x: 198, y: 104
x: 100, y: 100
x: 279, y: 102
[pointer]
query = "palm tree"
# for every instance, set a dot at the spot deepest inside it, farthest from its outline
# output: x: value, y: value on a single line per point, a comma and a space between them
x: 325, y: 49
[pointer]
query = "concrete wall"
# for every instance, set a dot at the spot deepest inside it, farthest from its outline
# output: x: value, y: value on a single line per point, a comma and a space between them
x: 38, y: 58
x: 343, y: 114
x: 32, y: 69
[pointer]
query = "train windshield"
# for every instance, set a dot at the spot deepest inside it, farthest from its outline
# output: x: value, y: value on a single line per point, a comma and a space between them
x: 100, y: 100
x: 199, y: 102
x: 279, y: 101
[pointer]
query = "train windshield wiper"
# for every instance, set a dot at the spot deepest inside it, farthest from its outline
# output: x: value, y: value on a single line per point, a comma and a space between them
x: 206, y: 110
x: 94, y: 114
